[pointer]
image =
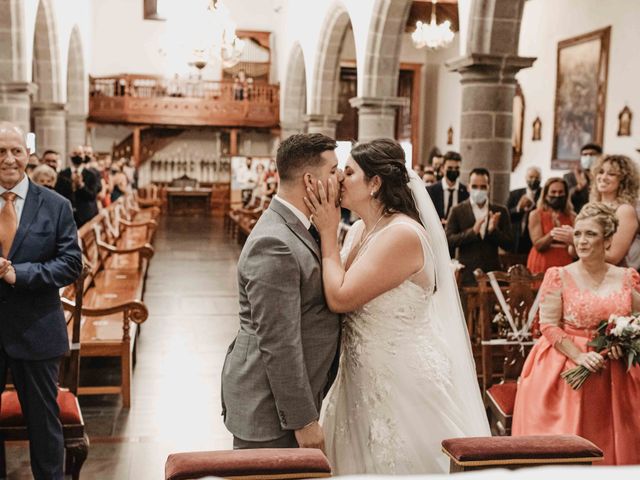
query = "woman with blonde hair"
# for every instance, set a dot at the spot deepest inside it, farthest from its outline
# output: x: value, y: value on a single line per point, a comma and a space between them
x: 616, y: 184
x: 573, y: 301
x: 45, y: 176
x: 550, y: 228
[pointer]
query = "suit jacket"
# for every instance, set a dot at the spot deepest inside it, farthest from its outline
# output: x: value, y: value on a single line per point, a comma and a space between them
x: 277, y: 368
x: 521, y: 238
x: 83, y: 200
x: 473, y: 250
x: 436, y: 192
x: 46, y: 256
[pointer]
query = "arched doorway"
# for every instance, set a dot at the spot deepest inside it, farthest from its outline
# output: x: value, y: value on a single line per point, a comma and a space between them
x: 76, y: 91
x: 294, y: 100
x: 323, y: 115
x: 48, y: 112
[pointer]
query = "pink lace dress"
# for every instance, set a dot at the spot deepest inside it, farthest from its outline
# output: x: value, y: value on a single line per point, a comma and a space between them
x: 605, y: 409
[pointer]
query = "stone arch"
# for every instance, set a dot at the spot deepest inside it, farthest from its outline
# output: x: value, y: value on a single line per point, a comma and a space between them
x: 294, y: 100
x: 48, y: 111
x: 15, y: 91
x: 324, y: 102
x: 76, y: 91
x: 46, y: 60
x: 494, y: 27
x: 382, y: 54
x: 12, y: 53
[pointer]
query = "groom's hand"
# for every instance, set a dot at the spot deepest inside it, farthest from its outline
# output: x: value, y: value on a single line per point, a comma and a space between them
x: 311, y: 436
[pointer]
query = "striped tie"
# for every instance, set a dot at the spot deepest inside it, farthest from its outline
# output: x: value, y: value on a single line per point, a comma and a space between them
x: 8, y: 222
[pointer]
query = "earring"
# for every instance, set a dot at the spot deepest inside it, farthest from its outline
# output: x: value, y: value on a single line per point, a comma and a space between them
x: 372, y: 194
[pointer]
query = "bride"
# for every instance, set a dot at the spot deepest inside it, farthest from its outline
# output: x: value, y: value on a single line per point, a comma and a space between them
x: 407, y: 378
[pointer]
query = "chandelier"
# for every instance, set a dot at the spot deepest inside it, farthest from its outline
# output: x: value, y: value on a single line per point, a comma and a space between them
x: 432, y: 35
x: 216, y: 36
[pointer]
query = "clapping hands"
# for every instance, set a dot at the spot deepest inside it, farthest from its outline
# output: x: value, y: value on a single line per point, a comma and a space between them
x: 563, y: 234
x: 7, y: 272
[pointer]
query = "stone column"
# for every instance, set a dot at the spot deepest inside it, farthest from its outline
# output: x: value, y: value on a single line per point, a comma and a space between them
x: 76, y: 131
x: 15, y: 102
x: 322, y: 123
x: 488, y: 87
x: 377, y: 116
x: 290, y: 128
x: 49, y: 121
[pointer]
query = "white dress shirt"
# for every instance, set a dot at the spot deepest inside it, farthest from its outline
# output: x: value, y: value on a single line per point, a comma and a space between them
x: 21, y: 190
x: 481, y: 212
x: 301, y: 216
x: 445, y: 188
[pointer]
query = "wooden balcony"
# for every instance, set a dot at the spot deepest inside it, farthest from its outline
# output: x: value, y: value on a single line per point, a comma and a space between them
x: 149, y: 100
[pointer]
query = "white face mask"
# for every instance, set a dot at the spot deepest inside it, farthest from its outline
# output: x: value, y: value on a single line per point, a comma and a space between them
x: 478, y: 196
x: 586, y: 161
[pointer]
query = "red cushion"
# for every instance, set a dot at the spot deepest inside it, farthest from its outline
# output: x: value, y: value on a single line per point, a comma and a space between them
x: 292, y: 462
x: 495, y: 450
x: 504, y: 396
x: 11, y: 413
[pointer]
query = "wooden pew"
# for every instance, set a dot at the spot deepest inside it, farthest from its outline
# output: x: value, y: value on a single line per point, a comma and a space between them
x: 113, y: 295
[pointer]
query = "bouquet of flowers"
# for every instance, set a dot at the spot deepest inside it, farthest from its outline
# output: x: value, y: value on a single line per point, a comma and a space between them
x: 622, y: 332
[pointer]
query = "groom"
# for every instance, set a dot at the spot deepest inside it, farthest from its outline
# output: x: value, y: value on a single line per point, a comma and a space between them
x: 277, y: 368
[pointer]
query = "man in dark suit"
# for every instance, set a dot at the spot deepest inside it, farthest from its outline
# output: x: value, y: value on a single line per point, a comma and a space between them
x: 521, y: 201
x: 477, y: 228
x: 448, y: 192
x: 85, y: 187
x: 39, y: 254
x: 579, y: 180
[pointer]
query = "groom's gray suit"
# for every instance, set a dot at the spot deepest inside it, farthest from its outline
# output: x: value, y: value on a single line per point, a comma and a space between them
x: 277, y: 368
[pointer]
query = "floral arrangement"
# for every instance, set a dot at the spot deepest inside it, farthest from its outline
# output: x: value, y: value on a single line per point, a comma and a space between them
x: 618, y: 331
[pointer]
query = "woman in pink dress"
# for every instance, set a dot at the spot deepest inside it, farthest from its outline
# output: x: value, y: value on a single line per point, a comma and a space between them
x: 574, y: 300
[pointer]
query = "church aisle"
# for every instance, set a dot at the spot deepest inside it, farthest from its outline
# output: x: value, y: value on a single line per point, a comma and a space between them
x: 192, y: 299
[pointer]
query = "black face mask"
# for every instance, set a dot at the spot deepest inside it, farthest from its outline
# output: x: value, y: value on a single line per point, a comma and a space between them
x: 77, y: 160
x: 556, y: 202
x: 438, y: 175
x: 87, y: 159
x: 533, y: 184
x: 452, y: 175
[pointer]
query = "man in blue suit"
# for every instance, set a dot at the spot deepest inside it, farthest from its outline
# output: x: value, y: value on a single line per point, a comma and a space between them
x: 39, y: 253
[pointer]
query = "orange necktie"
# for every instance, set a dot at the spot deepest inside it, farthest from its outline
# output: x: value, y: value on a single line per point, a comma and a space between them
x: 8, y: 222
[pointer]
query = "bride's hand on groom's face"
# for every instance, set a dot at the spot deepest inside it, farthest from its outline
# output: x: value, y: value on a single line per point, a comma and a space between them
x: 323, y: 204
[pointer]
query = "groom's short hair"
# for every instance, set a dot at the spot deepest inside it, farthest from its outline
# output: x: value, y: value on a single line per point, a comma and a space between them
x: 301, y: 151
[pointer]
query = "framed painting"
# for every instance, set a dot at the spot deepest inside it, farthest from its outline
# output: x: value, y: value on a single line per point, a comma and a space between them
x: 581, y: 88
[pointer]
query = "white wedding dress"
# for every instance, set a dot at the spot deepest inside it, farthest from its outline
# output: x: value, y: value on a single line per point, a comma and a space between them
x: 394, y: 399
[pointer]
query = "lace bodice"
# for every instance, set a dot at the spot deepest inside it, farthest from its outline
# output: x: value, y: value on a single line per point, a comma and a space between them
x: 563, y: 302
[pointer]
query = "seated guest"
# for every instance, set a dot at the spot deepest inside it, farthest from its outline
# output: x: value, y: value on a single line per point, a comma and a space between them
x: 616, y: 184
x: 550, y: 227
x: 449, y: 192
x: 45, y: 176
x: 477, y: 228
x: 84, y: 188
x: 521, y: 201
x: 579, y: 180
x: 573, y: 301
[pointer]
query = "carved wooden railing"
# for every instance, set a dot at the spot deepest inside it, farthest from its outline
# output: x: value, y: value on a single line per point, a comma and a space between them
x: 152, y: 100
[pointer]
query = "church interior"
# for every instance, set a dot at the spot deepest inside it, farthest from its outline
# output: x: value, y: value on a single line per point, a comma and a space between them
x: 176, y: 112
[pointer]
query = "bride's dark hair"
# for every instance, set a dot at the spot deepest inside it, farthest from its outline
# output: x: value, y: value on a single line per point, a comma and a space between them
x: 385, y: 158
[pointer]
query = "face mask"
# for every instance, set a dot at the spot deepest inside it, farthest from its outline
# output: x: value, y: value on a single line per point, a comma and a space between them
x: 87, y: 159
x: 533, y: 184
x: 586, y: 161
x: 452, y: 175
x: 478, y: 196
x: 556, y: 202
x: 438, y: 176
x: 76, y: 160
x: 428, y: 184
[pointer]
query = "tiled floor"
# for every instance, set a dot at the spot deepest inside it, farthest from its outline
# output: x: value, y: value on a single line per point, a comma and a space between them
x: 192, y: 299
